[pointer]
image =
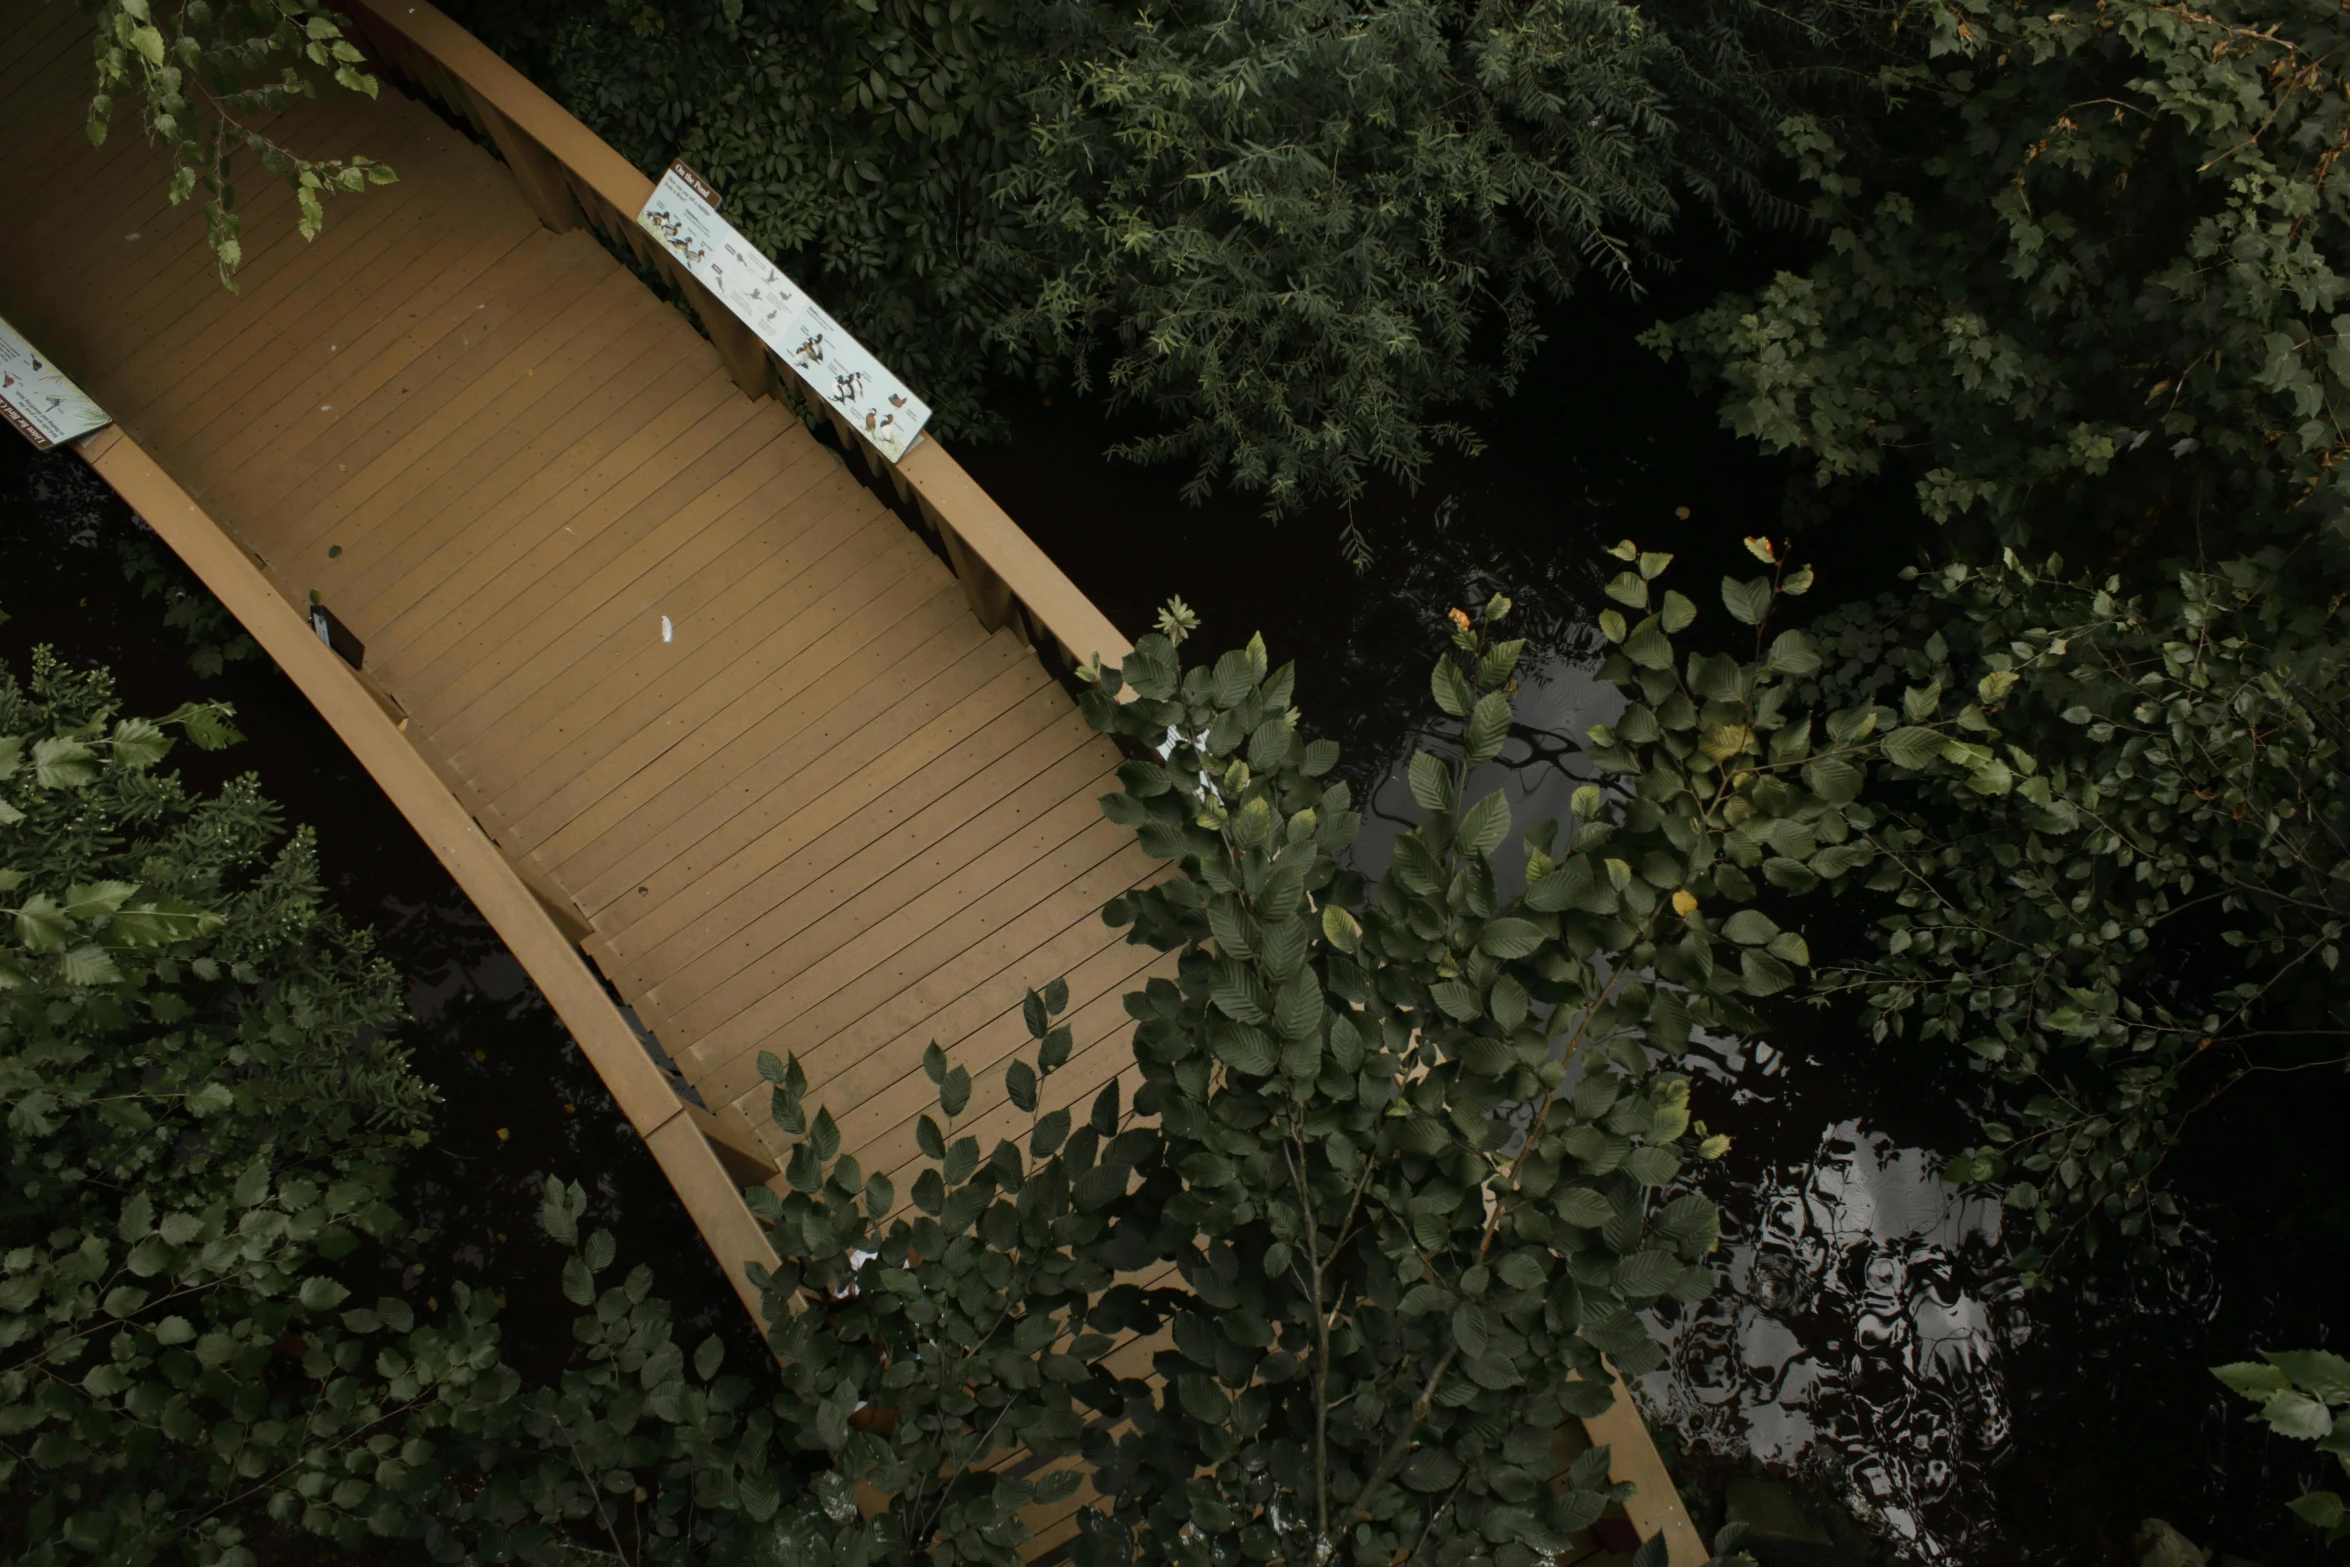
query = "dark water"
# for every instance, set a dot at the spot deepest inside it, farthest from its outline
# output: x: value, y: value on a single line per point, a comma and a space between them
x: 1871, y: 1343
x: 518, y: 1101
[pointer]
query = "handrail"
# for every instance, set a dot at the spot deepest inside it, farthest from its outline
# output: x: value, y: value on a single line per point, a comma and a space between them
x: 690, y: 1145
x: 572, y: 176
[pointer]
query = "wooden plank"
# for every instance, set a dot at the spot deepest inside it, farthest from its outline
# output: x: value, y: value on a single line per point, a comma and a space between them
x: 784, y: 682
x: 587, y: 1012
x: 532, y: 582
x: 674, y: 943
x: 453, y: 415
x: 186, y: 284
x: 882, y: 1091
x: 1655, y: 1506
x: 915, y: 985
x: 681, y: 570
x: 202, y: 342
x: 677, y: 432
x: 714, y: 849
x: 377, y: 532
x: 918, y: 962
x: 894, y: 840
x: 44, y: 41
x: 737, y: 965
x: 393, y: 404
x: 429, y: 525
x: 737, y: 639
x: 616, y: 686
x: 267, y: 460
x: 334, y: 304
x: 543, y: 484
x: 1101, y: 1029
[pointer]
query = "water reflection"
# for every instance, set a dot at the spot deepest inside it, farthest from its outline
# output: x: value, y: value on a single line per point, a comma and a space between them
x: 1858, y: 1341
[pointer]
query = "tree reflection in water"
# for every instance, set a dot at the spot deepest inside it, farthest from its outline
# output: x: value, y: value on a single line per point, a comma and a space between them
x: 1858, y: 1341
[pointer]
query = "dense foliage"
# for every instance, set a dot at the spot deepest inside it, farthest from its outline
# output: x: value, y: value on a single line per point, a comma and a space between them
x: 1402, y: 1166
x: 2107, y: 296
x: 854, y: 143
x: 204, y: 1114
x: 1299, y: 238
x: 2140, y: 897
x: 207, y: 79
x: 2299, y: 1393
x: 1303, y: 235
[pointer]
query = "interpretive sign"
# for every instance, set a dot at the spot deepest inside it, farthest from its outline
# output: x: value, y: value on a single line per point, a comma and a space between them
x: 683, y: 214
x: 36, y: 397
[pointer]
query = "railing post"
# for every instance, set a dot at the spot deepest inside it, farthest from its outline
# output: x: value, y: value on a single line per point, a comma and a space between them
x: 730, y: 334
x: 534, y: 168
x: 990, y: 596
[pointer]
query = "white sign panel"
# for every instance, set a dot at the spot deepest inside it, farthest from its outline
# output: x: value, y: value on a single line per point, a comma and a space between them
x: 683, y: 214
x: 36, y: 397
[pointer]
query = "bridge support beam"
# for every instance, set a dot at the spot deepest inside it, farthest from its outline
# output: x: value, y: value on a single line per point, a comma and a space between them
x: 533, y: 167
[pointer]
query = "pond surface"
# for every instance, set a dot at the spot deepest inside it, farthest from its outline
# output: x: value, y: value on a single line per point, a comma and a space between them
x: 1869, y: 1342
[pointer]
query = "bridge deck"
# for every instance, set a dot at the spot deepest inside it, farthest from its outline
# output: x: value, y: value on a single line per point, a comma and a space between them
x: 735, y: 726
x: 702, y: 688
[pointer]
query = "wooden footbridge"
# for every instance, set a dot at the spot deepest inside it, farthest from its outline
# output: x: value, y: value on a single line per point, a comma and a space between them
x: 667, y: 682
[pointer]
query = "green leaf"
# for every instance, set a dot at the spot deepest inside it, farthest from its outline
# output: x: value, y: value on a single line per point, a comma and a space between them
x: 1509, y: 937
x: 1451, y: 688
x: 1747, y: 602
x: 1430, y: 1469
x: 1489, y: 728
x: 1792, y: 654
x: 1764, y: 974
x: 2297, y: 1415
x: 1582, y: 1206
x: 1341, y: 929
x: 1298, y: 1011
x: 1471, y: 1331
x: 2254, y: 1379
x: 138, y: 743
x: 322, y: 1294
x: 1431, y: 783
x: 1457, y: 1000
x: 1243, y: 1048
x: 41, y: 926
x: 1913, y: 748
x: 2315, y: 1371
x: 1020, y: 1085
x: 63, y: 763
x: 88, y: 965
x: 579, y: 1285
x: 1645, y: 1274
x: 1484, y: 825
x: 1648, y: 646
x: 1678, y: 613
x: 1750, y: 927
x: 2321, y: 1508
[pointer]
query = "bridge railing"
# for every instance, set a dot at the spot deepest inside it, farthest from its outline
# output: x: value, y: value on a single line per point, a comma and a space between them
x: 573, y: 177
